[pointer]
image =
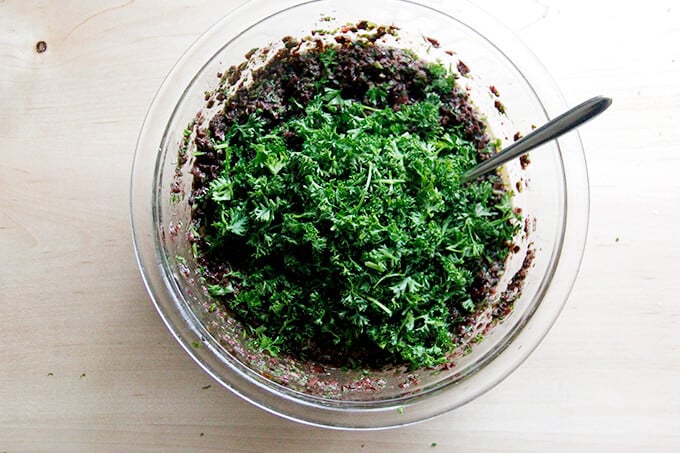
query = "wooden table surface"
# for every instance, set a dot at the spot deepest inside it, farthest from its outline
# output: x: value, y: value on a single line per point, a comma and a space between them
x: 86, y: 363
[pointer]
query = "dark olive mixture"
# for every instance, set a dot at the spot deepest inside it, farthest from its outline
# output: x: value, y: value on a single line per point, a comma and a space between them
x: 328, y: 211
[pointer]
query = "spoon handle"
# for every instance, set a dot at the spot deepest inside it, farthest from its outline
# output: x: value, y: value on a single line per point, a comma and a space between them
x: 549, y: 131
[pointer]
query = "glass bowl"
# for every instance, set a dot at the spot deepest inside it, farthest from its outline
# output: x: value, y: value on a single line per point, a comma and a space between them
x: 551, y: 192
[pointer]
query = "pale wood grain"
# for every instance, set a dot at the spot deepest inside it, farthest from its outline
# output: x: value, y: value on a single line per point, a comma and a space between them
x: 72, y: 303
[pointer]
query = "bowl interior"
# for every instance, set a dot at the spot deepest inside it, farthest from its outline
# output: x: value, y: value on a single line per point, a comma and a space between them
x: 312, y: 392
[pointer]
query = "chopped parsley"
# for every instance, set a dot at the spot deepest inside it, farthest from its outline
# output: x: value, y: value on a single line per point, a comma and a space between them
x: 345, y: 225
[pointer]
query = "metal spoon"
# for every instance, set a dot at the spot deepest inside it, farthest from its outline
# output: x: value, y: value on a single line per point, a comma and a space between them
x: 550, y: 130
